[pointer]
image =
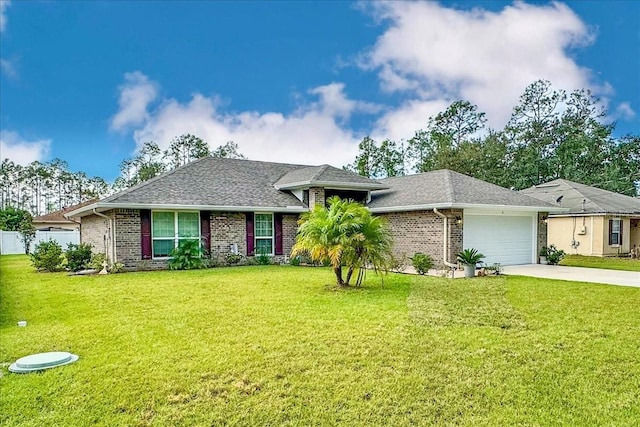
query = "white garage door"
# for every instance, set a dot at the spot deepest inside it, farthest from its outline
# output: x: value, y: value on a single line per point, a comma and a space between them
x: 504, y: 239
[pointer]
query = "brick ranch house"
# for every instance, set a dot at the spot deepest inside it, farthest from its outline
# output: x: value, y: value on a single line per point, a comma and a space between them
x: 252, y: 207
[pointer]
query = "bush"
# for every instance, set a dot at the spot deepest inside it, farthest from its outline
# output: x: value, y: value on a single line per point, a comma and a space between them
x: 97, y: 261
x: 187, y: 256
x: 398, y: 264
x: 233, y: 259
x: 263, y: 259
x: 496, y: 268
x: 295, y: 261
x: 422, y: 262
x: 554, y: 255
x: 47, y: 256
x: 116, y: 268
x: 78, y: 256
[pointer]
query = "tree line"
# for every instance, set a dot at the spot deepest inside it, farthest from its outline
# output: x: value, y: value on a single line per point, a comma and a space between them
x: 551, y: 134
x: 43, y: 187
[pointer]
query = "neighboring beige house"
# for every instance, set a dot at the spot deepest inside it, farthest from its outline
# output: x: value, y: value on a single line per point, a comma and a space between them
x: 598, y: 223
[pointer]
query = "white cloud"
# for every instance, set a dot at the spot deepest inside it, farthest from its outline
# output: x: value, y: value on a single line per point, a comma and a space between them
x: 8, y: 68
x: 624, y: 111
x: 310, y: 135
x: 135, y: 96
x: 21, y: 151
x: 427, y: 56
x: 333, y: 102
x: 4, y: 4
x: 404, y: 120
x: 437, y: 54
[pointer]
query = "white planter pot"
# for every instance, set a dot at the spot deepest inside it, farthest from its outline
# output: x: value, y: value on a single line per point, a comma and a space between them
x: 469, y: 270
x: 543, y: 260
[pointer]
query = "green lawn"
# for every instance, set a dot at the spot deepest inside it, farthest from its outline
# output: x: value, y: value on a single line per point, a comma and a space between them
x: 276, y: 346
x: 610, y: 263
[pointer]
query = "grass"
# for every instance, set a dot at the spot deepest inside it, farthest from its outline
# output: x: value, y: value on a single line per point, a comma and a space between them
x: 277, y: 346
x: 611, y: 263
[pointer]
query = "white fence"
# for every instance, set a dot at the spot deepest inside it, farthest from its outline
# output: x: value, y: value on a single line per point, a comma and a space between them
x: 11, y: 241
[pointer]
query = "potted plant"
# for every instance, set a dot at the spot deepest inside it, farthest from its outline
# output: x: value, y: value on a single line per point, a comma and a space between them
x: 469, y: 258
x: 544, y: 253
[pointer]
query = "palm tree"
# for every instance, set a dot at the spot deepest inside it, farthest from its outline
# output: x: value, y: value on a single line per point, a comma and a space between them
x: 345, y: 233
x: 369, y: 247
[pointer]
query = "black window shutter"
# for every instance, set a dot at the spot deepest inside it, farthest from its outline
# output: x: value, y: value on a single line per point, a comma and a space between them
x: 145, y: 233
x: 277, y: 219
x: 250, y: 234
x: 205, y: 230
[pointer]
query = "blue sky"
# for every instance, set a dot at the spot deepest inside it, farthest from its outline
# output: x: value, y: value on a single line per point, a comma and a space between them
x: 303, y: 82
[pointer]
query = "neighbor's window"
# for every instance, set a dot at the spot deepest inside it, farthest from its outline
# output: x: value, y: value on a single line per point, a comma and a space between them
x: 264, y: 233
x: 615, y: 232
x: 169, y: 228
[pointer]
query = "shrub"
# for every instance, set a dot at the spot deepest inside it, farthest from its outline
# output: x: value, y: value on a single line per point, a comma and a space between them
x: 496, y: 268
x: 554, y: 255
x: 295, y: 261
x: 78, y: 256
x: 187, y: 256
x: 97, y: 261
x: 116, y: 268
x: 398, y: 264
x: 421, y: 262
x: 233, y: 259
x: 47, y: 256
x: 263, y: 259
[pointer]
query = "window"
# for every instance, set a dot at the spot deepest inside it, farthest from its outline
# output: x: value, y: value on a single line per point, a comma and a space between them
x: 615, y: 232
x: 169, y: 228
x: 264, y: 234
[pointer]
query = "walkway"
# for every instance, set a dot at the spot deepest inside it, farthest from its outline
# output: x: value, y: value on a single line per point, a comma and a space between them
x: 578, y: 274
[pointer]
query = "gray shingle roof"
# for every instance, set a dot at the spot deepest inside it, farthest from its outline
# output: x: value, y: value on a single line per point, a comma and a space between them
x: 214, y: 182
x: 447, y: 189
x: 596, y: 200
x: 325, y: 175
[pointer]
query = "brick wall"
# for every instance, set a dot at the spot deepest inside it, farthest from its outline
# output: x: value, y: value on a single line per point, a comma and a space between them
x: 455, y: 233
x: 316, y: 197
x: 128, y: 244
x: 94, y: 230
x: 289, y: 231
x: 227, y: 228
x: 542, y: 231
x: 421, y: 231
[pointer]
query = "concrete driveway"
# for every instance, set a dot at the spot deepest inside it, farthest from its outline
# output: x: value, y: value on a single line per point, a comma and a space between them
x: 578, y: 274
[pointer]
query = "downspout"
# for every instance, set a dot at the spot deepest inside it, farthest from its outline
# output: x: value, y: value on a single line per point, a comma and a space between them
x: 445, y: 246
x: 111, y: 225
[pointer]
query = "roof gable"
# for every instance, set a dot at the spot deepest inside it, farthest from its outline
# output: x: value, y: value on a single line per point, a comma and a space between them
x: 213, y: 181
x: 583, y: 199
x: 325, y: 176
x: 446, y: 188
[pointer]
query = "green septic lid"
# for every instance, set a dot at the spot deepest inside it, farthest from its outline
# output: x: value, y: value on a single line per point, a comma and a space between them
x: 40, y: 361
